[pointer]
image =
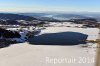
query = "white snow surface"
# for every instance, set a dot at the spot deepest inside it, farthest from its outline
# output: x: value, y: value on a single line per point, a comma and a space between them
x: 91, y: 32
x: 65, y: 24
x: 37, y: 55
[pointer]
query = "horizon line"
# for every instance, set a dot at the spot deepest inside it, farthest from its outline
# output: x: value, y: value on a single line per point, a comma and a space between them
x: 51, y: 12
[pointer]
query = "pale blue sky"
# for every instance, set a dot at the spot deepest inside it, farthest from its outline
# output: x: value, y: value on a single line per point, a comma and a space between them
x: 49, y: 5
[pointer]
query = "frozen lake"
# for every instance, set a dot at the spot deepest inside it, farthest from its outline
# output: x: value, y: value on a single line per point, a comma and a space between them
x: 64, y: 36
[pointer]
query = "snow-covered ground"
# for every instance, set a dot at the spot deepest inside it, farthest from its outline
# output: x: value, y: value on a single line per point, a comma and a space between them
x: 65, y: 24
x: 40, y: 55
x: 91, y: 32
x: 24, y: 54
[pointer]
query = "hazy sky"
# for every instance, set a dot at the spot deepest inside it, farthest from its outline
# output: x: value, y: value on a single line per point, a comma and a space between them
x: 49, y: 5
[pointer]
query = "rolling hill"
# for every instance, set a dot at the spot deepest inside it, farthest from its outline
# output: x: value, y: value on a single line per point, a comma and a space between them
x: 15, y: 17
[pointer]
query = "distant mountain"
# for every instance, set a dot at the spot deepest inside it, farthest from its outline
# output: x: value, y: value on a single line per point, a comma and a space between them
x: 15, y: 17
x: 64, y: 16
x: 34, y: 14
x: 50, y: 19
x: 93, y: 15
x: 41, y: 16
x: 54, y: 16
x: 68, y: 16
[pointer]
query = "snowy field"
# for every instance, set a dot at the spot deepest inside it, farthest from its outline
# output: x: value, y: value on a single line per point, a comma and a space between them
x: 24, y: 54
x: 91, y: 32
x: 40, y: 55
x: 65, y: 24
